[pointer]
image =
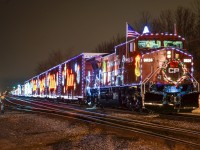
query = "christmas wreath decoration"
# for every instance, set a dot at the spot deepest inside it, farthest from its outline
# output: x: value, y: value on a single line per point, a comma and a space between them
x: 173, y: 67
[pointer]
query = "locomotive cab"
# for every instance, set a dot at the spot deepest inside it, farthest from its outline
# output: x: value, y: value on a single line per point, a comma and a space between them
x: 167, y: 71
x: 151, y: 69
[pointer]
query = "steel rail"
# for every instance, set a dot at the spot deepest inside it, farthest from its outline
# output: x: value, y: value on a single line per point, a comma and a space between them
x: 117, y: 119
x: 103, y: 121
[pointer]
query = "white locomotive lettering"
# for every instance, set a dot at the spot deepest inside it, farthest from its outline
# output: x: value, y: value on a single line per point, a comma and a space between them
x: 173, y: 70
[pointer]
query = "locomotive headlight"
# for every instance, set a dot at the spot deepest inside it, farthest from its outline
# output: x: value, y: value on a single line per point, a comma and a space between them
x: 168, y: 54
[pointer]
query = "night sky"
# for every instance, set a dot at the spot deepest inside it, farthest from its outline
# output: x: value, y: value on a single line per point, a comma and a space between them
x: 31, y: 29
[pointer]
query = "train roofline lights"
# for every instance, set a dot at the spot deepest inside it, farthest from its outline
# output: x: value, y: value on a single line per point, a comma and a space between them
x: 84, y: 54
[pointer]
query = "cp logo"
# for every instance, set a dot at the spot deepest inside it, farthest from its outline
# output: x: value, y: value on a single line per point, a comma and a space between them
x: 173, y: 70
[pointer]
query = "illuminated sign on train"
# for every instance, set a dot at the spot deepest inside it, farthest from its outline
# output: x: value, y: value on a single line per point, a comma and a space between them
x: 70, y: 78
x: 52, y: 81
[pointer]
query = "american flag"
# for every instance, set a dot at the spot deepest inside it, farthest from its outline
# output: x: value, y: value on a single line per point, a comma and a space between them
x: 130, y: 32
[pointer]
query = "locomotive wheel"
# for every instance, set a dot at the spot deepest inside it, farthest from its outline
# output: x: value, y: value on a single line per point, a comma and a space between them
x: 98, y: 104
x: 129, y: 104
x: 139, y: 103
x: 178, y: 108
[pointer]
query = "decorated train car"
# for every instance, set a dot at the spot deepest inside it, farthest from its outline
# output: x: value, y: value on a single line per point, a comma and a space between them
x: 19, y: 90
x: 151, y: 69
x: 66, y: 80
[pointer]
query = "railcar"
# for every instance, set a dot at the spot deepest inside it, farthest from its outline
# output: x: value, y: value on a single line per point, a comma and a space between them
x: 19, y: 91
x: 151, y: 69
x: 66, y: 80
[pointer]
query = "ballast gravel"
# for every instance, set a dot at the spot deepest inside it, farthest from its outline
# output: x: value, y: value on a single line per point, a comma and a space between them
x: 27, y: 131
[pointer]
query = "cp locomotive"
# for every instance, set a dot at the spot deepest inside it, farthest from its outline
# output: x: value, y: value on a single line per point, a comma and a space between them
x: 151, y: 69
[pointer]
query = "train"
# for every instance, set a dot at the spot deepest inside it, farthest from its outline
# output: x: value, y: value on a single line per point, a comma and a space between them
x: 150, y: 69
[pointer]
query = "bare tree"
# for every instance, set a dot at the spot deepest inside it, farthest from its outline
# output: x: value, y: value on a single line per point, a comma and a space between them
x: 41, y: 67
x: 108, y: 46
x: 195, y: 39
x: 145, y: 19
x: 196, y: 9
x: 183, y: 17
x: 164, y: 22
x: 55, y: 57
x: 188, y: 26
x: 185, y: 20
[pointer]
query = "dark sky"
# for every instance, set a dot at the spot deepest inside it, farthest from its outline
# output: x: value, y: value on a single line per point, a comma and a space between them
x: 30, y: 29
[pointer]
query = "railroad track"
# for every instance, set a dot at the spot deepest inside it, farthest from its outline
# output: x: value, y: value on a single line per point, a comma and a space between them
x: 174, y: 134
x: 182, y: 117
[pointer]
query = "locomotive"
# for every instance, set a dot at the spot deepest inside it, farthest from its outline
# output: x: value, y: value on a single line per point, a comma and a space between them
x: 151, y: 69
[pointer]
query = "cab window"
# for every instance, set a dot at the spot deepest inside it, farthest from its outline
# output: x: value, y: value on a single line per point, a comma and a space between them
x: 177, y: 44
x: 149, y: 44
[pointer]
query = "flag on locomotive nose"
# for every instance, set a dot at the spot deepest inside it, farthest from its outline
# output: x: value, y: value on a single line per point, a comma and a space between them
x: 130, y: 32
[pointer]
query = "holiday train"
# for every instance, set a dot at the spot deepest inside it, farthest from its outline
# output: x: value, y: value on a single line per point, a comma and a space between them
x: 152, y: 69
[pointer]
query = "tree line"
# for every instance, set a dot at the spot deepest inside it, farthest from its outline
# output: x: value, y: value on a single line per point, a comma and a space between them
x: 187, y: 20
